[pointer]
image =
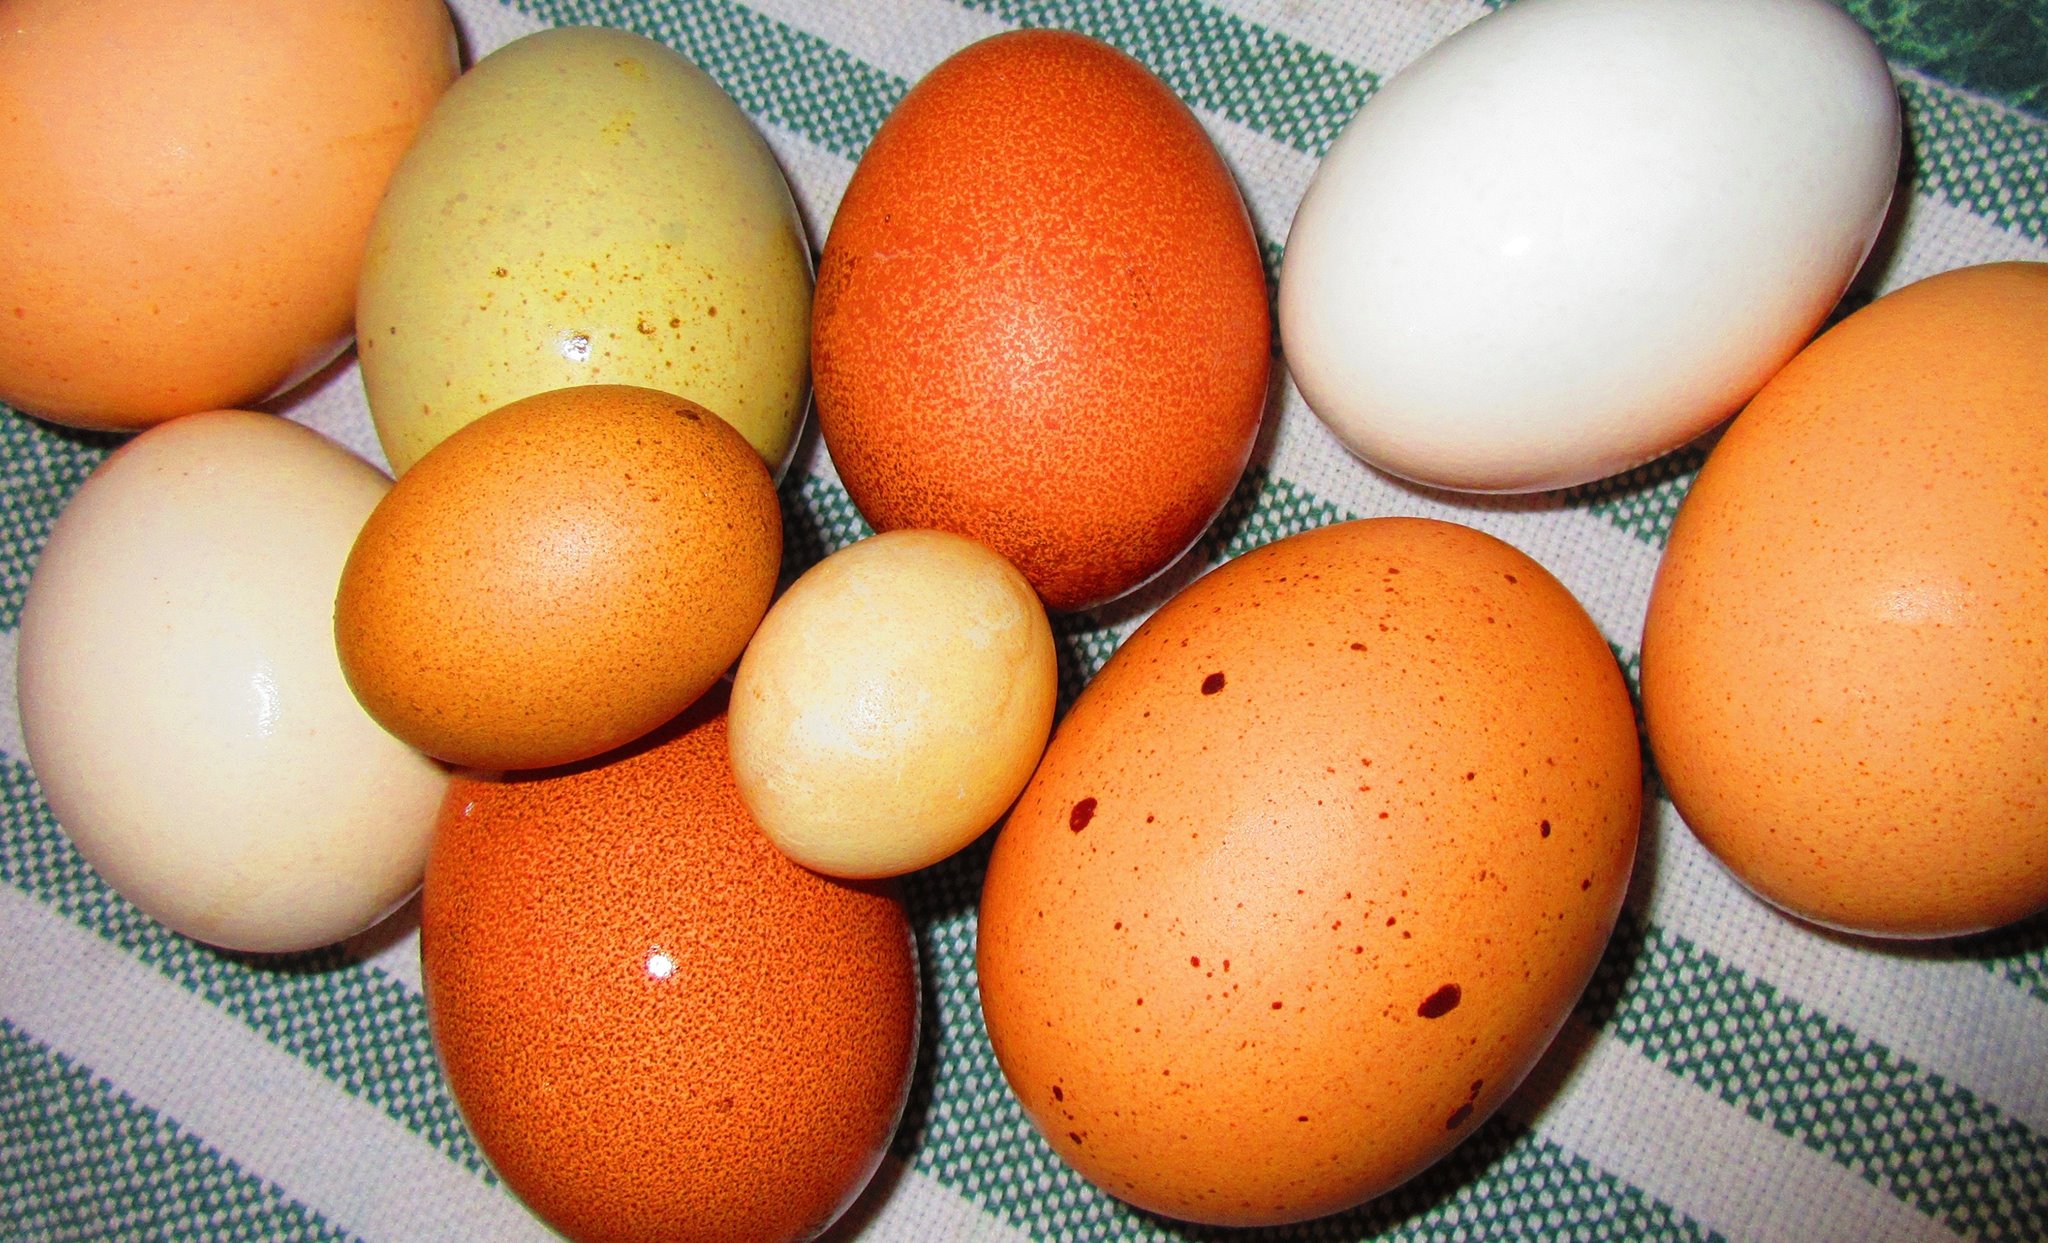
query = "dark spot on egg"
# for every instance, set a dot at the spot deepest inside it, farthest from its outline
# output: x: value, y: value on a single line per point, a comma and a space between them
x: 1083, y: 812
x: 1546, y: 828
x: 1212, y: 684
x: 1440, y: 1002
x: 1057, y: 1094
x: 1458, y: 1117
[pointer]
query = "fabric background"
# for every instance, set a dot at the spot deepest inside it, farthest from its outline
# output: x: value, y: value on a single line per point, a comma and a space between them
x: 1728, y: 1074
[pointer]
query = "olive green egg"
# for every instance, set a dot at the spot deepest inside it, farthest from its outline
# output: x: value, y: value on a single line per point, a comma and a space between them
x: 585, y: 206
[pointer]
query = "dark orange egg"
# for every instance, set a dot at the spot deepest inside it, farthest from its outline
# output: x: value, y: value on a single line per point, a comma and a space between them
x: 656, y: 1026
x: 1041, y: 318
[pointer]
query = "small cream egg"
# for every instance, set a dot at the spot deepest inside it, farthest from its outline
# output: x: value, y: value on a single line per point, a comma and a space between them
x: 181, y: 701
x: 893, y: 704
x: 1578, y: 233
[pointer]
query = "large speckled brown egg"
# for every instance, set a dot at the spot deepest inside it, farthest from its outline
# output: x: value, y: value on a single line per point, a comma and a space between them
x: 559, y: 577
x: 1845, y: 662
x: 1312, y: 872
x: 656, y: 1026
x: 190, y: 185
x: 1041, y: 318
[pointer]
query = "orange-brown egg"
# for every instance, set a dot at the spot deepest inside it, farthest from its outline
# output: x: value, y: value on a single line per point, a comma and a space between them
x: 191, y: 186
x: 1312, y: 872
x: 1845, y: 662
x: 656, y: 1026
x: 559, y: 577
x: 1041, y: 318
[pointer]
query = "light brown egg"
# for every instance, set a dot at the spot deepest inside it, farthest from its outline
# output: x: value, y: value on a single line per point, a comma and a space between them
x: 1311, y: 873
x: 191, y: 186
x: 1845, y: 662
x: 559, y: 577
x: 658, y: 1027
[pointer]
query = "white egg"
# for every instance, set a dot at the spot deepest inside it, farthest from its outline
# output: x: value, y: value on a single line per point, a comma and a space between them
x: 181, y: 701
x: 1578, y: 233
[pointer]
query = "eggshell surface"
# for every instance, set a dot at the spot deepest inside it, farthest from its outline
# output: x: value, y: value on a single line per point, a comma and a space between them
x: 1578, y: 233
x: 194, y: 181
x: 1845, y: 661
x: 656, y: 1026
x: 893, y: 704
x: 1311, y: 873
x: 180, y: 698
x: 585, y: 207
x: 1041, y: 317
x: 559, y: 577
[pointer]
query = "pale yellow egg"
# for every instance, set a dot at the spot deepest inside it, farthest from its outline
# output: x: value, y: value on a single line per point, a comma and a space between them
x: 893, y: 704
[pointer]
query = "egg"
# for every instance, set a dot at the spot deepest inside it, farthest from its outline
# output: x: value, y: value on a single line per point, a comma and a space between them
x: 655, y: 1025
x: 1311, y: 873
x: 585, y: 207
x: 180, y: 699
x: 1578, y: 233
x: 192, y: 183
x: 893, y: 704
x: 1041, y: 317
x: 559, y: 577
x: 1845, y: 659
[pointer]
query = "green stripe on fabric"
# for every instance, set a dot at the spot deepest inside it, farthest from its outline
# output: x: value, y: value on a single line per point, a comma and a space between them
x: 1907, y: 1131
x: 2017, y: 954
x: 81, y: 1160
x: 1994, y: 47
x: 1980, y: 157
x: 41, y: 465
x: 361, y: 1029
x: 782, y: 75
x: 1290, y: 91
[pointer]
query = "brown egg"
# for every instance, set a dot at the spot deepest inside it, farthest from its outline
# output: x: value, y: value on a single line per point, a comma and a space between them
x: 559, y: 577
x: 192, y: 183
x: 1845, y: 663
x: 1041, y: 319
x: 1311, y: 873
x: 656, y: 1026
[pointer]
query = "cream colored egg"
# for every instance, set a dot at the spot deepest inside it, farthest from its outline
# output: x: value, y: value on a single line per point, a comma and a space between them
x: 893, y: 704
x: 181, y: 701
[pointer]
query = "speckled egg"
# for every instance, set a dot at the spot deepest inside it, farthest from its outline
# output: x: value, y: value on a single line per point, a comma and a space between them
x: 1845, y: 662
x: 585, y: 207
x: 559, y: 577
x: 1041, y: 318
x: 655, y: 1025
x: 191, y: 183
x: 1311, y: 873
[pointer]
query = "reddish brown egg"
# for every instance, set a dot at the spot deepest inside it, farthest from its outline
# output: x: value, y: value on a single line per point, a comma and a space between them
x: 656, y: 1026
x: 1311, y: 873
x: 1041, y: 318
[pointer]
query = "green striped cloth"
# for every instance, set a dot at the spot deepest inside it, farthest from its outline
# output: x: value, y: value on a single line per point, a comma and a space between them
x: 1727, y: 1074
